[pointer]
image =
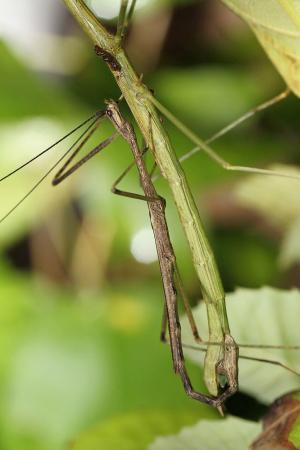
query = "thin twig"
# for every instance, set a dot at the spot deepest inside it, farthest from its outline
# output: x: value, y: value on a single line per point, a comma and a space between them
x: 121, y: 21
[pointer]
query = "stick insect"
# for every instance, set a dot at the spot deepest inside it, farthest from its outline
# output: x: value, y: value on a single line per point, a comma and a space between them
x: 169, y: 272
x: 227, y: 367
x: 156, y: 205
x: 142, y: 104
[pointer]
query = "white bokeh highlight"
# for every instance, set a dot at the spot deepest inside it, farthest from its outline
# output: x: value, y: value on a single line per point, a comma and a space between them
x: 110, y: 8
x: 143, y: 246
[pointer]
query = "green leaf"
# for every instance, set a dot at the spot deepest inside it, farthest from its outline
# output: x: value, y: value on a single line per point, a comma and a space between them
x: 27, y: 138
x: 23, y: 94
x: 267, y: 196
x: 276, y: 198
x: 204, y: 88
x: 276, y: 24
x: 67, y: 361
x: 135, y: 431
x: 290, y: 247
x: 262, y: 316
x: 294, y: 435
x: 34, y: 115
x: 228, y: 434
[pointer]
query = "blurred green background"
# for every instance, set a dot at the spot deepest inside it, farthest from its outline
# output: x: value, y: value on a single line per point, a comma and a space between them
x: 80, y: 313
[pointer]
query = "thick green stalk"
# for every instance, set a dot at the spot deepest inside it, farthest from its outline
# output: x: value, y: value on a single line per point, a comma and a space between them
x: 139, y: 100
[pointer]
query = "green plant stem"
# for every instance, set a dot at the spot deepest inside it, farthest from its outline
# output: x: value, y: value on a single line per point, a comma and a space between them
x: 121, y: 21
x: 130, y: 12
x: 139, y: 101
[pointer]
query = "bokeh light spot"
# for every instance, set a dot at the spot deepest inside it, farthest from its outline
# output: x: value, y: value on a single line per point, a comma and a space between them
x: 143, y: 246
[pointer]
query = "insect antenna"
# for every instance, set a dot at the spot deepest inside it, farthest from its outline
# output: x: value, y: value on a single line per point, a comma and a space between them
x: 35, y: 186
x: 97, y: 115
x: 252, y: 358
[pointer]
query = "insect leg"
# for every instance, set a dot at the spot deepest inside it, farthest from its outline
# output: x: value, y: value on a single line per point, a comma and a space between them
x: 187, y: 305
x: 63, y: 173
x: 278, y: 98
x: 211, y: 153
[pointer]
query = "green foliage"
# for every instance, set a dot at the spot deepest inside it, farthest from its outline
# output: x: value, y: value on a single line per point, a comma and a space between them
x: 290, y: 247
x: 294, y: 436
x: 228, y: 434
x: 276, y: 199
x: 67, y: 361
x: 137, y: 430
x: 72, y: 357
x: 276, y: 24
x: 231, y: 90
x: 24, y: 95
x: 262, y: 316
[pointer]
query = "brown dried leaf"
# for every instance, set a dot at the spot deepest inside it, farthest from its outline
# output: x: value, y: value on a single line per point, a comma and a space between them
x: 281, y: 425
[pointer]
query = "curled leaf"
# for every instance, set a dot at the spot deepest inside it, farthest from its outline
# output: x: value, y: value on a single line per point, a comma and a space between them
x: 276, y: 24
x: 281, y: 425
